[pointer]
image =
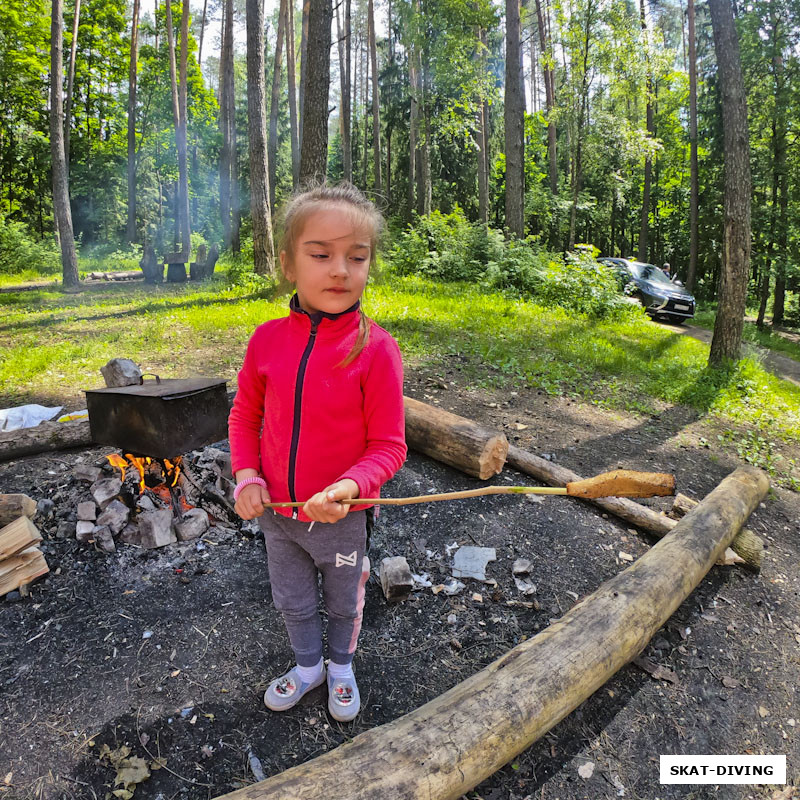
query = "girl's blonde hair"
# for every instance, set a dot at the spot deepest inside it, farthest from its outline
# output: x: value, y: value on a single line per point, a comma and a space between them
x: 366, y: 216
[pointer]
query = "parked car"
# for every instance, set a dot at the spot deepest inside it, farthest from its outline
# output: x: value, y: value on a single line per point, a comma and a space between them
x: 660, y: 296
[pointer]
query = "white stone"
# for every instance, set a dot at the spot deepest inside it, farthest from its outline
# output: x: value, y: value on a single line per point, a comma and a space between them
x: 105, y: 491
x: 87, y: 510
x: 470, y: 562
x: 156, y: 528
x: 115, y: 517
x: 193, y: 525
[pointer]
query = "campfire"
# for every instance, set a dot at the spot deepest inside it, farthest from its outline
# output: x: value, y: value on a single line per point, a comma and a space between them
x: 152, y: 502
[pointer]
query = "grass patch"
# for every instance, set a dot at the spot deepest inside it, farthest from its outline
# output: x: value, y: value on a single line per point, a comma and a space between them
x: 55, y: 344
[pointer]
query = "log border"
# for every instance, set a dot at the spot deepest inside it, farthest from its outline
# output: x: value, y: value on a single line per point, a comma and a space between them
x: 449, y: 745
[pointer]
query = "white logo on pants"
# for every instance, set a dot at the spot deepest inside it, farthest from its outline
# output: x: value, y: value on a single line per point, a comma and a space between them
x: 346, y: 561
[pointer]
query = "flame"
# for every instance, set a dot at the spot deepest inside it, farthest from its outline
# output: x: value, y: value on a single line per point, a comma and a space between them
x: 173, y: 469
x: 140, y: 463
x: 119, y: 462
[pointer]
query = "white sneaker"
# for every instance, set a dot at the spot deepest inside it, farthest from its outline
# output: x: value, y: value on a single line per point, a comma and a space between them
x: 287, y: 691
x: 344, y: 699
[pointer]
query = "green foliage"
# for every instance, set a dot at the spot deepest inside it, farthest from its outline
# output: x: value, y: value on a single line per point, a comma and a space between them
x: 448, y: 247
x: 19, y: 252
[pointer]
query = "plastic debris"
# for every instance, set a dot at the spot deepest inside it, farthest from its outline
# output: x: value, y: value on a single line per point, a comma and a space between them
x: 470, y: 562
x: 255, y: 766
x: 421, y: 581
x: 27, y: 416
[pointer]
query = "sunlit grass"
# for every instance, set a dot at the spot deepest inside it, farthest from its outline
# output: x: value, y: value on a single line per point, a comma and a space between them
x: 54, y: 345
x: 767, y: 338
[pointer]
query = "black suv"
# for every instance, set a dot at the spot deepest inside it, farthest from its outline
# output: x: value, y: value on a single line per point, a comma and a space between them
x: 660, y: 296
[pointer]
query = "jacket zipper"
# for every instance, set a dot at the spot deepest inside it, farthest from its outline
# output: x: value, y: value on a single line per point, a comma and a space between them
x: 298, y: 401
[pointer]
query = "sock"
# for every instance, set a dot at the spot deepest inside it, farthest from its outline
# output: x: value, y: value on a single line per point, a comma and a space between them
x: 310, y: 674
x: 340, y: 671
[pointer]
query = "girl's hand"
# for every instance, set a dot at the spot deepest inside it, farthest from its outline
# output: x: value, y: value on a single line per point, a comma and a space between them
x: 324, y: 506
x: 251, y: 501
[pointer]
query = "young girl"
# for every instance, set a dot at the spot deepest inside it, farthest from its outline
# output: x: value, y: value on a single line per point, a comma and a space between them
x: 318, y: 417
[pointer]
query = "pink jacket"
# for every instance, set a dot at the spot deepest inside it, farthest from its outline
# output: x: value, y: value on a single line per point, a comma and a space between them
x: 304, y: 421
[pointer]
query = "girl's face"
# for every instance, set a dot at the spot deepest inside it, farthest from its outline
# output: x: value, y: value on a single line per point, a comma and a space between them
x: 331, y: 261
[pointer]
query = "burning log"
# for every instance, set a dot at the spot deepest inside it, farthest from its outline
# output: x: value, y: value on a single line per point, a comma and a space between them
x: 448, y: 746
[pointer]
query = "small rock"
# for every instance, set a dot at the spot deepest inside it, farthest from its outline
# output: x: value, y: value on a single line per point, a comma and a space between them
x: 451, y: 586
x: 522, y: 566
x: 121, y: 372
x: 14, y: 597
x: 452, y: 619
x: 155, y: 528
x: 104, y: 539
x: 104, y: 491
x: 45, y: 507
x: 86, y: 472
x: 130, y: 534
x: 145, y: 503
x: 396, y: 579
x: 193, y: 525
x: 84, y: 530
x: 586, y: 770
x: 87, y: 510
x: 114, y: 517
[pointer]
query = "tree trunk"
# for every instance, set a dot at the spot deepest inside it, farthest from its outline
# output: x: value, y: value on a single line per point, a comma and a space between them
x: 314, y: 117
x: 61, y: 207
x: 781, y: 103
x: 179, y: 116
x: 514, y: 125
x: 413, y: 122
x: 275, y: 99
x: 364, y: 54
x: 481, y: 138
x: 694, y: 191
x: 648, y: 161
x: 303, y: 64
x: 549, y: 98
x: 202, y: 34
x: 344, y: 89
x: 73, y: 47
x: 260, y: 189
x: 376, y: 119
x: 226, y: 86
x: 291, y: 65
x: 726, y: 344
x: 130, y: 233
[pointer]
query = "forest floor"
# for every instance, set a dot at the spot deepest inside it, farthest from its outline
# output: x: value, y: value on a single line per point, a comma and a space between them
x: 165, y: 654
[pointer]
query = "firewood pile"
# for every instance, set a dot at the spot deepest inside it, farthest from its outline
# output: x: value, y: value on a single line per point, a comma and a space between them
x: 21, y: 560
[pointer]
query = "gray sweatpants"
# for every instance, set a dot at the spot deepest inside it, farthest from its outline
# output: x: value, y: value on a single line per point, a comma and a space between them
x: 294, y: 556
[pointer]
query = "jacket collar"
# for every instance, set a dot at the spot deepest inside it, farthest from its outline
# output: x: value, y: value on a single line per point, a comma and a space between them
x: 337, y: 322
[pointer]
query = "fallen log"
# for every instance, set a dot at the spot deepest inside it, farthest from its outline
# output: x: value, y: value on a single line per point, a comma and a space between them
x: 15, y: 505
x: 449, y: 745
x: 44, y: 438
x: 454, y: 440
x: 746, y: 544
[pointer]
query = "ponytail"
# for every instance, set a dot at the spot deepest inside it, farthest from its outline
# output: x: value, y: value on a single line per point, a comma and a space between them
x: 362, y: 339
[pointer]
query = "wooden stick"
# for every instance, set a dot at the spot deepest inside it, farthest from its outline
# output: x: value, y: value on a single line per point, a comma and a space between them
x: 619, y: 483
x: 446, y: 747
x: 745, y: 544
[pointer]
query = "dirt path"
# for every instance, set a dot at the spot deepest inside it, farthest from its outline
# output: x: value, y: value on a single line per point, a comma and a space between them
x: 780, y: 365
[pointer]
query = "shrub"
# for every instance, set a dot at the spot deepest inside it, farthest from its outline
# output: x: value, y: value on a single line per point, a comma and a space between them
x: 450, y: 248
x: 19, y: 252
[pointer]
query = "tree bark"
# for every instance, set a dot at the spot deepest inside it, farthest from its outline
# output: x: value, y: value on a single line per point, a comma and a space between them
x: 202, y: 34
x: 130, y: 231
x: 227, y: 121
x: 13, y: 506
x: 291, y: 65
x: 780, y: 148
x: 275, y: 99
x: 61, y: 207
x: 481, y: 137
x: 514, y: 113
x: 449, y: 745
x: 648, y: 161
x: 314, y: 117
x: 376, y: 119
x: 726, y: 344
x: 260, y: 205
x: 694, y: 191
x: 413, y: 122
x: 73, y: 47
